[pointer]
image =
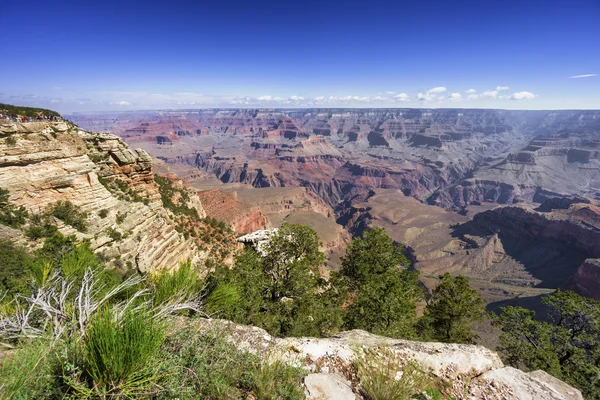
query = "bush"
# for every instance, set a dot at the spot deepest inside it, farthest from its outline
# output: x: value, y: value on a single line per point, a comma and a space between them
x: 184, y: 282
x: 70, y: 214
x: 120, y: 217
x: 41, y: 225
x: 103, y: 213
x: 29, y: 373
x: 14, y: 264
x: 206, y: 366
x: 119, y: 349
x: 11, y: 215
x: 114, y: 234
x: 11, y: 140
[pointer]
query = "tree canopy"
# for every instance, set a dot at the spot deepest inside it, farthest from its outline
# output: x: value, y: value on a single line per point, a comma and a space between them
x: 384, y: 290
x: 452, y: 310
x: 566, y: 345
x: 280, y: 291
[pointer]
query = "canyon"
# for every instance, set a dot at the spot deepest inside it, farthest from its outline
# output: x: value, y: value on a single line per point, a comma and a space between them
x: 458, y: 187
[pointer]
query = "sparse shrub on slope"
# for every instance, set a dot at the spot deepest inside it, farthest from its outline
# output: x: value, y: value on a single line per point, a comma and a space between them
x: 70, y: 214
x: 11, y: 215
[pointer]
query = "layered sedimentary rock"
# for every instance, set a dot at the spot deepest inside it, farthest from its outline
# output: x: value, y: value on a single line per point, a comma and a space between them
x: 224, y: 207
x: 47, y: 162
x: 471, y: 372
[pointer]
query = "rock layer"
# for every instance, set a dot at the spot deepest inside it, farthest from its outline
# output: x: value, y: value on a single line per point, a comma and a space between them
x: 52, y: 161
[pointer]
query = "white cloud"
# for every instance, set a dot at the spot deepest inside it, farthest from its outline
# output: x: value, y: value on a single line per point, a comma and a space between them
x: 522, y: 96
x: 390, y: 92
x: 455, y: 97
x: 439, y: 89
x: 123, y: 103
x: 378, y: 98
x: 470, y: 91
x: 473, y: 96
x: 501, y: 88
x: 583, y: 76
x: 401, y: 97
x: 296, y: 98
x: 264, y: 98
x: 490, y: 93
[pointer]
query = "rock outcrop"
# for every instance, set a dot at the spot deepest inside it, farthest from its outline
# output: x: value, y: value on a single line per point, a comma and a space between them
x: 241, y: 217
x: 586, y: 281
x: 48, y: 162
x: 472, y: 372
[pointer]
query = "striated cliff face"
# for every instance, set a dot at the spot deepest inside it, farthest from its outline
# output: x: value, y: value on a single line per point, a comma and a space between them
x: 47, y: 162
x: 470, y: 372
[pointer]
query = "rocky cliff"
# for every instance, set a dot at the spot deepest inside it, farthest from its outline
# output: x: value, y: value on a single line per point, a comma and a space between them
x: 468, y: 372
x: 42, y: 163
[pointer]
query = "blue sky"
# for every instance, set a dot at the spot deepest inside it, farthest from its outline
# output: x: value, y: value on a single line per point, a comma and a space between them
x: 125, y: 55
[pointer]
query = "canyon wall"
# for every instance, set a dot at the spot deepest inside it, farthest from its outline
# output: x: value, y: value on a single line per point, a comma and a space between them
x: 43, y: 163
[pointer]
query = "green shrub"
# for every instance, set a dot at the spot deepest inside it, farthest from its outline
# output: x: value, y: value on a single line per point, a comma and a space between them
x: 41, y: 225
x: 15, y: 262
x: 183, y: 282
x: 119, y: 350
x: 103, y: 213
x: 114, y: 234
x: 204, y: 365
x: 378, y: 376
x: 70, y: 214
x: 10, y: 214
x: 120, y: 217
x: 29, y: 373
x: 11, y: 140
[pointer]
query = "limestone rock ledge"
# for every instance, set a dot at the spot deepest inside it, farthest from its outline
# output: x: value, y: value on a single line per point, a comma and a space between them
x: 47, y: 162
x: 474, y: 372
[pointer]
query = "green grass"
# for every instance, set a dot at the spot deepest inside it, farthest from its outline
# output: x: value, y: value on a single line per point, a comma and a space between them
x: 28, y: 372
x: 183, y: 282
x: 203, y: 365
x: 378, y: 375
x: 118, y: 351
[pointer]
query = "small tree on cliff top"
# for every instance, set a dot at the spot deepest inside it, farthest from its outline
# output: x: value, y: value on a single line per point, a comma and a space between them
x: 566, y: 346
x: 452, y: 310
x: 385, y: 290
x: 281, y: 291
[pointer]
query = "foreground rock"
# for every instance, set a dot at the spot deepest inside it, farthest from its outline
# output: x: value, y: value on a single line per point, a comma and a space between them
x: 473, y: 372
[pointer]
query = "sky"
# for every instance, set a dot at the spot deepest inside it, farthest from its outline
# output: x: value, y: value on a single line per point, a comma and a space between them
x: 76, y: 56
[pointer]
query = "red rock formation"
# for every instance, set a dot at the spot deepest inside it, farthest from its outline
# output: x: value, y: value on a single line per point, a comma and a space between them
x: 586, y: 281
x: 224, y: 207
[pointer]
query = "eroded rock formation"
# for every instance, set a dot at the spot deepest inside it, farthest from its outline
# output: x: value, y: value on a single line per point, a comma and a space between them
x: 47, y: 162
